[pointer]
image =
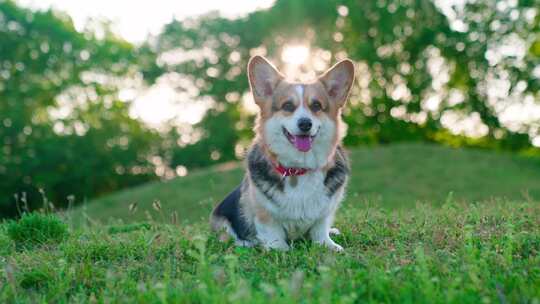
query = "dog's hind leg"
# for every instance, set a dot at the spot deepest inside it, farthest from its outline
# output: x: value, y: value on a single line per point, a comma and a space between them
x: 227, y: 220
x: 225, y: 231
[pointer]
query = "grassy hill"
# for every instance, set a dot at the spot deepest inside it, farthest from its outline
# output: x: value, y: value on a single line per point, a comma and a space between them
x: 394, y: 176
x: 406, y: 240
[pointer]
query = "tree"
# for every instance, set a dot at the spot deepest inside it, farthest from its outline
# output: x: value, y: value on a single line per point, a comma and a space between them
x: 418, y: 69
x: 63, y: 126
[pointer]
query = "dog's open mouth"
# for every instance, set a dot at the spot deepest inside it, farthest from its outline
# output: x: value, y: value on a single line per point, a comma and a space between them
x: 301, y: 142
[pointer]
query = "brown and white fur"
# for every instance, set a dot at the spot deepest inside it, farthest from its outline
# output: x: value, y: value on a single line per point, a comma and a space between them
x: 299, y: 126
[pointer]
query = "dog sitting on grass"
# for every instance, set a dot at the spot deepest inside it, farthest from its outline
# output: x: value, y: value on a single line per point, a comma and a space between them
x: 296, y: 167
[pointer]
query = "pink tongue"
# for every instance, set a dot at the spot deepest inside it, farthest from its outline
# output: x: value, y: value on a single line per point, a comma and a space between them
x: 302, y: 143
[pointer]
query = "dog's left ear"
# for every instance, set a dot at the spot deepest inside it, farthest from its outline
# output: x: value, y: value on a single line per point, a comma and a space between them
x: 338, y: 81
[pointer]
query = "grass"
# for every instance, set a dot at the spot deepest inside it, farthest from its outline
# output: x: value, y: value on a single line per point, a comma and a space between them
x: 394, y: 176
x: 457, y: 253
x: 34, y: 229
x: 422, y: 224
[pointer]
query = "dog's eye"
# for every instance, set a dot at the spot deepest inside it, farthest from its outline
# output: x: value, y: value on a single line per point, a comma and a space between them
x: 316, y: 105
x: 288, y: 106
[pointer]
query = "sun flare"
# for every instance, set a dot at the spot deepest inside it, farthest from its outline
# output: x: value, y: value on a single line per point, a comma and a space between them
x: 295, y: 54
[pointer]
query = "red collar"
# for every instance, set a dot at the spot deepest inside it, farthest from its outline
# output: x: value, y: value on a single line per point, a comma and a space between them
x: 283, y: 171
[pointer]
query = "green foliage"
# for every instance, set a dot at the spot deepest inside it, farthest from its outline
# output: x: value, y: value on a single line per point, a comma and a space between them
x: 63, y: 127
x: 458, y: 253
x: 394, y: 176
x: 36, y: 229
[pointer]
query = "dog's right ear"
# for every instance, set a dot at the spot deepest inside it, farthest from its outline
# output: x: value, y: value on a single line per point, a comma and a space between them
x: 263, y: 78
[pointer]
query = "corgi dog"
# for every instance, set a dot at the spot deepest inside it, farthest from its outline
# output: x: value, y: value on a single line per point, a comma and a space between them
x: 296, y: 169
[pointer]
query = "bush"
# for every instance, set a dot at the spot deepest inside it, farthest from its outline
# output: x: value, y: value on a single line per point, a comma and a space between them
x: 37, y: 229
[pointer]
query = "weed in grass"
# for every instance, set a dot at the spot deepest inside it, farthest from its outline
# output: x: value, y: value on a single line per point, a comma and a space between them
x: 34, y: 278
x: 5, y: 242
x: 36, y: 229
x: 128, y: 228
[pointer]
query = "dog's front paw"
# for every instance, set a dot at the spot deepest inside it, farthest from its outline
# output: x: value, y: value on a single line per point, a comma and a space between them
x: 334, y: 247
x: 335, y: 231
x: 328, y: 243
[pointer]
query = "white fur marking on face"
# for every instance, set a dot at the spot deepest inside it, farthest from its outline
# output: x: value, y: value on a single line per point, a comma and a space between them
x: 301, y: 112
x: 300, y: 90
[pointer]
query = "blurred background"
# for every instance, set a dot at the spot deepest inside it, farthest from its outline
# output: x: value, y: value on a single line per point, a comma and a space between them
x: 100, y: 96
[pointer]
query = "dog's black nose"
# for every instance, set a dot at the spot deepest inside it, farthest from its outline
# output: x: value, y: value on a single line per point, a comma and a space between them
x: 304, y: 124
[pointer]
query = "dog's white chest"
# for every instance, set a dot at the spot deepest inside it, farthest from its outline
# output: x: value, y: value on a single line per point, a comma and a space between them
x: 307, y: 198
x: 301, y: 203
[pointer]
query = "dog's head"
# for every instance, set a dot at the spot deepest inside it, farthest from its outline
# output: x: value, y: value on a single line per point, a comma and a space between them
x: 300, y: 123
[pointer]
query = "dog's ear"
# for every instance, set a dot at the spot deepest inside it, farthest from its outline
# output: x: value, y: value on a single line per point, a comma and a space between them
x: 338, y: 81
x: 263, y: 78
